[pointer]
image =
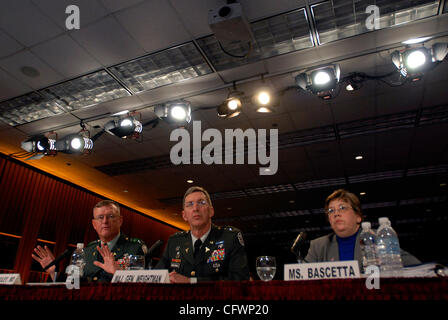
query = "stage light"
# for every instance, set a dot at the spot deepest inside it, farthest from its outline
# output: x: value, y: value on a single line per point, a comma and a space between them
x: 263, y: 97
x: 39, y: 144
x: 320, y: 81
x: 321, y: 78
x: 178, y: 112
x: 232, y: 106
x: 127, y: 127
x: 75, y: 143
x: 414, y: 62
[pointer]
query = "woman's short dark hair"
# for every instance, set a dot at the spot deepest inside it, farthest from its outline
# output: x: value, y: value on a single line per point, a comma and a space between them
x: 345, y: 196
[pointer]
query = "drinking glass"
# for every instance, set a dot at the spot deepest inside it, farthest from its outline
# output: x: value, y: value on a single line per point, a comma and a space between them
x: 266, y: 267
x: 136, y: 262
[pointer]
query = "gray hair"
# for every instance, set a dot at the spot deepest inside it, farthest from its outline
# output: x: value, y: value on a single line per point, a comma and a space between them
x: 197, y: 189
x: 107, y: 203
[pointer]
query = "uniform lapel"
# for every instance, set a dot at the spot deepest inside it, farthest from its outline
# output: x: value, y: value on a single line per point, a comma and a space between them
x: 187, y: 249
x: 333, y: 250
x: 209, y: 243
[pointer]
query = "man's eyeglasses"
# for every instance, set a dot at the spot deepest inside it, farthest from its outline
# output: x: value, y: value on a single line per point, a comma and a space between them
x: 200, y: 203
x: 342, y: 208
x: 108, y: 216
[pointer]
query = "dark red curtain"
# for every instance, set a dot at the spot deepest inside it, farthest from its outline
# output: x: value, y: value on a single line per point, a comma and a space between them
x: 35, y: 205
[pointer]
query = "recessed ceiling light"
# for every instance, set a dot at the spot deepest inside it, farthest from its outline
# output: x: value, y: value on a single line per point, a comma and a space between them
x: 30, y: 72
x: 362, y: 193
x: 358, y: 157
x: 291, y: 201
x: 443, y: 184
x: 125, y: 190
x: 190, y: 181
x: 416, y: 40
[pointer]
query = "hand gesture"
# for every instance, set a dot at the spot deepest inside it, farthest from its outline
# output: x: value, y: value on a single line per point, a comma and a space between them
x: 44, y: 256
x: 109, y: 265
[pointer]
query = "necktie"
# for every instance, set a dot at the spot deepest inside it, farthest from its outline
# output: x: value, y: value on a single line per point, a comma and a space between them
x: 197, y: 247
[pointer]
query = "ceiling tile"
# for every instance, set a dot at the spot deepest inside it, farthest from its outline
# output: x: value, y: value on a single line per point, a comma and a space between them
x: 9, y: 45
x: 194, y: 15
x: 116, y: 5
x: 265, y: 8
x: 13, y: 65
x: 353, y: 109
x: 317, y: 116
x: 48, y: 124
x: 28, y: 25
x: 154, y: 25
x: 11, y: 87
x: 66, y: 56
x: 108, y: 42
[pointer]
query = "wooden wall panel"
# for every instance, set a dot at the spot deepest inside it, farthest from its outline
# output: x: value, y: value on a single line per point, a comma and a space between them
x: 35, y: 205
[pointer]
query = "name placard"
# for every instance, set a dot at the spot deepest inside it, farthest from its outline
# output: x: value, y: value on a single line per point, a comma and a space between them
x: 145, y: 276
x: 322, y: 270
x: 10, y: 278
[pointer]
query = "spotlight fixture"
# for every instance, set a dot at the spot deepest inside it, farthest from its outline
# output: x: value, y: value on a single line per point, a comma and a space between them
x: 321, y: 81
x: 40, y: 146
x: 232, y: 106
x: 263, y: 99
x: 75, y: 143
x: 178, y: 112
x: 414, y: 62
x: 127, y: 127
x: 353, y: 83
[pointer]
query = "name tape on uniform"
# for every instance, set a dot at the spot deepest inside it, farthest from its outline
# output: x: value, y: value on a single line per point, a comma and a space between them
x: 146, y: 276
x: 322, y: 270
x: 10, y: 278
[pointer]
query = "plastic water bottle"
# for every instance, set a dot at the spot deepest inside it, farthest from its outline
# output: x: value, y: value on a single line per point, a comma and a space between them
x: 368, y: 246
x: 388, y: 249
x: 79, y: 258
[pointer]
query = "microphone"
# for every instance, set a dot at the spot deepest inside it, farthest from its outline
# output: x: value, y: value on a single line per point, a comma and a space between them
x: 295, y: 248
x: 151, y: 250
x: 154, y: 247
x: 58, y: 259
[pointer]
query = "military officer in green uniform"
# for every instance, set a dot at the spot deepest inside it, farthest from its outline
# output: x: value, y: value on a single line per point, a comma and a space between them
x: 206, y: 252
x: 104, y: 255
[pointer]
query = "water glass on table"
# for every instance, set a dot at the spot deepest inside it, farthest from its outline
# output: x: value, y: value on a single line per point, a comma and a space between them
x: 266, y: 267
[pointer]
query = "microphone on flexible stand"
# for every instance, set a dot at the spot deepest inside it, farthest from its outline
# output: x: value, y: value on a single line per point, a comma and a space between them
x: 295, y: 248
x: 151, y: 250
x: 57, y: 260
x: 55, y: 263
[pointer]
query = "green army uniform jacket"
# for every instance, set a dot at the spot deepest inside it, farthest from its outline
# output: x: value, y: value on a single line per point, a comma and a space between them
x: 222, y: 256
x: 124, y: 245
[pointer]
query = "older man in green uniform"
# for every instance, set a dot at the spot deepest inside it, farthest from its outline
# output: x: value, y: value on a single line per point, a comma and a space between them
x: 104, y: 255
x: 207, y: 252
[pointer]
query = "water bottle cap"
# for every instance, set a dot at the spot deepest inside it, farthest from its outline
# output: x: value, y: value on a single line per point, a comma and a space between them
x: 383, y: 220
x: 80, y: 245
x: 366, y: 225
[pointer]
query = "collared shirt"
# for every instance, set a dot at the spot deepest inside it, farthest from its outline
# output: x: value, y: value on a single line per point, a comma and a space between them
x: 193, y: 238
x: 111, y: 244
